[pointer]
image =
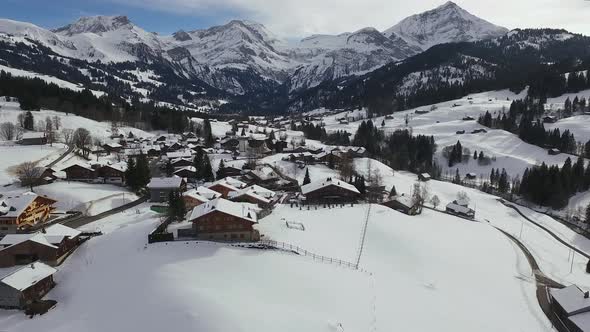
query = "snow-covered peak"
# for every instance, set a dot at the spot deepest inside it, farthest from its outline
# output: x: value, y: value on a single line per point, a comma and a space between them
x: 96, y: 25
x: 445, y: 24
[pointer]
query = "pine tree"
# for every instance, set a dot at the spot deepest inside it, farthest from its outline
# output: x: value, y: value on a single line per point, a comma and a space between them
x: 475, y: 155
x: 29, y: 123
x: 169, y: 168
x: 306, y: 179
x: 208, y: 133
x: 457, y: 179
x: 143, y: 171
x: 206, y: 170
x: 131, y: 174
x: 198, y: 162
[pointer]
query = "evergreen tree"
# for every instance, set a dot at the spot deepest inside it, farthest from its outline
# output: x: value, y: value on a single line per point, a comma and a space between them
x: 143, y: 171
x: 306, y: 179
x: 503, y: 182
x: 29, y: 123
x: 169, y: 168
x: 208, y: 133
x: 475, y: 155
x: 393, y: 191
x: 457, y: 179
x: 131, y: 174
x: 206, y: 170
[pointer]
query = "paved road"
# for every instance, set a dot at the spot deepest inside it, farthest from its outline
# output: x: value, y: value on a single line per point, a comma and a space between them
x: 53, y: 163
x: 543, y: 283
x: 548, y: 231
x: 83, y: 220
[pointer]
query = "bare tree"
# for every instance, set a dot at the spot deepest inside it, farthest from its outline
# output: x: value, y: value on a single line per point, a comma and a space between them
x: 29, y: 174
x: 21, y: 119
x: 346, y: 168
x: 7, y: 131
x: 67, y: 136
x: 83, y: 140
x: 462, y: 196
x: 420, y: 195
x: 56, y: 122
x: 40, y: 125
x: 435, y: 201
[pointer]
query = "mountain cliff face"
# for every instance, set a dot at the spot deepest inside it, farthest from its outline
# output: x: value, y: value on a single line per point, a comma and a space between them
x: 243, y: 58
x: 448, y: 23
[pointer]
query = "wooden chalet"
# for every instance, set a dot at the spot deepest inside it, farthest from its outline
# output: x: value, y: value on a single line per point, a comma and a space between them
x: 181, y: 162
x: 21, y: 287
x: 80, y: 172
x: 51, y: 245
x: 424, y: 177
x: 224, y: 220
x: 196, y: 197
x: 189, y: 172
x: 112, y: 173
x: 330, y: 191
x: 112, y: 148
x: 227, y: 185
x: 24, y: 211
x: 33, y: 138
x: 403, y: 204
x: 228, y: 171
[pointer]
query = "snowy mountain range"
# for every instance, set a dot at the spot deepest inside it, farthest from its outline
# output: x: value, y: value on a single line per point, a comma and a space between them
x: 243, y: 57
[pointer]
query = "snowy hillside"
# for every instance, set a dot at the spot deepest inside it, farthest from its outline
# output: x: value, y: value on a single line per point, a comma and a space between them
x: 448, y: 23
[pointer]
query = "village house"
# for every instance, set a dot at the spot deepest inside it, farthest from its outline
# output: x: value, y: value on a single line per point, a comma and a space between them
x: 51, y: 245
x: 80, y: 172
x: 572, y: 306
x: 112, y: 148
x: 261, y: 175
x: 549, y: 119
x: 404, y: 204
x: 179, y: 154
x: 160, y: 188
x: 553, y: 152
x: 188, y: 172
x: 22, y: 287
x: 424, y: 177
x: 254, y: 195
x: 460, y: 208
x: 196, y: 197
x: 228, y: 171
x: 181, y: 162
x: 224, y: 220
x: 114, y: 174
x: 47, y: 176
x: 23, y: 211
x: 330, y: 191
x: 227, y: 185
x: 32, y: 139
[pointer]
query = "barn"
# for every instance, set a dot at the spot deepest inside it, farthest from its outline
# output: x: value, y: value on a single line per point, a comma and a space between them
x: 404, y: 204
x: 330, y: 191
x: 21, y: 287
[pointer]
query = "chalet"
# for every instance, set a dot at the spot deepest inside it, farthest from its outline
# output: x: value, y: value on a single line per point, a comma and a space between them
x: 33, y: 139
x: 424, y: 177
x: 264, y: 175
x: 549, y: 119
x: 228, y: 171
x: 80, y: 172
x: 196, y: 197
x: 47, y: 176
x: 468, y: 118
x: 160, y: 188
x: 224, y: 220
x: 189, y: 172
x: 253, y: 194
x: 403, y: 204
x: 229, y: 143
x: 174, y: 147
x: 330, y: 191
x: 50, y: 245
x: 572, y: 306
x: 460, y: 208
x: 114, y: 173
x: 326, y: 157
x: 181, y: 162
x: 112, y: 148
x: 161, y: 138
x: 422, y: 111
x: 187, y: 135
x: 460, y: 132
x: 23, y: 211
x: 22, y: 287
x: 227, y: 185
x: 553, y: 152
x: 154, y: 151
x: 179, y: 154
x: 470, y: 176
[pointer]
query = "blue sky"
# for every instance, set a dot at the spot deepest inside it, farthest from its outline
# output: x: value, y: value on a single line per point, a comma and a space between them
x: 57, y: 13
x: 296, y: 18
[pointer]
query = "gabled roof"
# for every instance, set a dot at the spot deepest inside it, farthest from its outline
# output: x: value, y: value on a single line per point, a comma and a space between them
x: 14, y: 239
x: 14, y: 206
x: 81, y: 165
x: 228, y: 207
x: 230, y: 183
x: 61, y: 230
x: 28, y: 276
x: 406, y: 201
x: 165, y: 183
x: 311, y: 187
x: 251, y: 193
x: 191, y: 169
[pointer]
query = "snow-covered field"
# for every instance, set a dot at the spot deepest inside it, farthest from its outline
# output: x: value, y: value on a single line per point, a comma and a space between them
x: 13, y: 155
x: 102, y: 130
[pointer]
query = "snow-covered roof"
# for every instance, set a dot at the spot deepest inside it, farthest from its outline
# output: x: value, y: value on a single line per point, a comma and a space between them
x: 14, y: 206
x: 406, y: 201
x: 31, y: 134
x: 203, y: 194
x: 187, y: 168
x: 13, y: 239
x: 61, y: 230
x: 223, y: 205
x: 179, y: 154
x: 229, y: 182
x: 582, y: 321
x: 571, y: 299
x: 28, y: 275
x: 165, y: 183
x: 425, y: 175
x: 459, y: 208
x: 251, y: 193
x: 310, y: 187
x: 83, y: 165
x: 462, y: 202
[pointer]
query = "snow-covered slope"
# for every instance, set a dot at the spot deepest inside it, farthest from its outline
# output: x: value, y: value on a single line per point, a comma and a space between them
x: 445, y: 24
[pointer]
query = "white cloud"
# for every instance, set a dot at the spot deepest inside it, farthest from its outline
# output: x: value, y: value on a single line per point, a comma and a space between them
x: 298, y: 18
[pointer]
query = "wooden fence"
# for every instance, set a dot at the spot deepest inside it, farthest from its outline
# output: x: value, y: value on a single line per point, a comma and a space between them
x: 304, y: 252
